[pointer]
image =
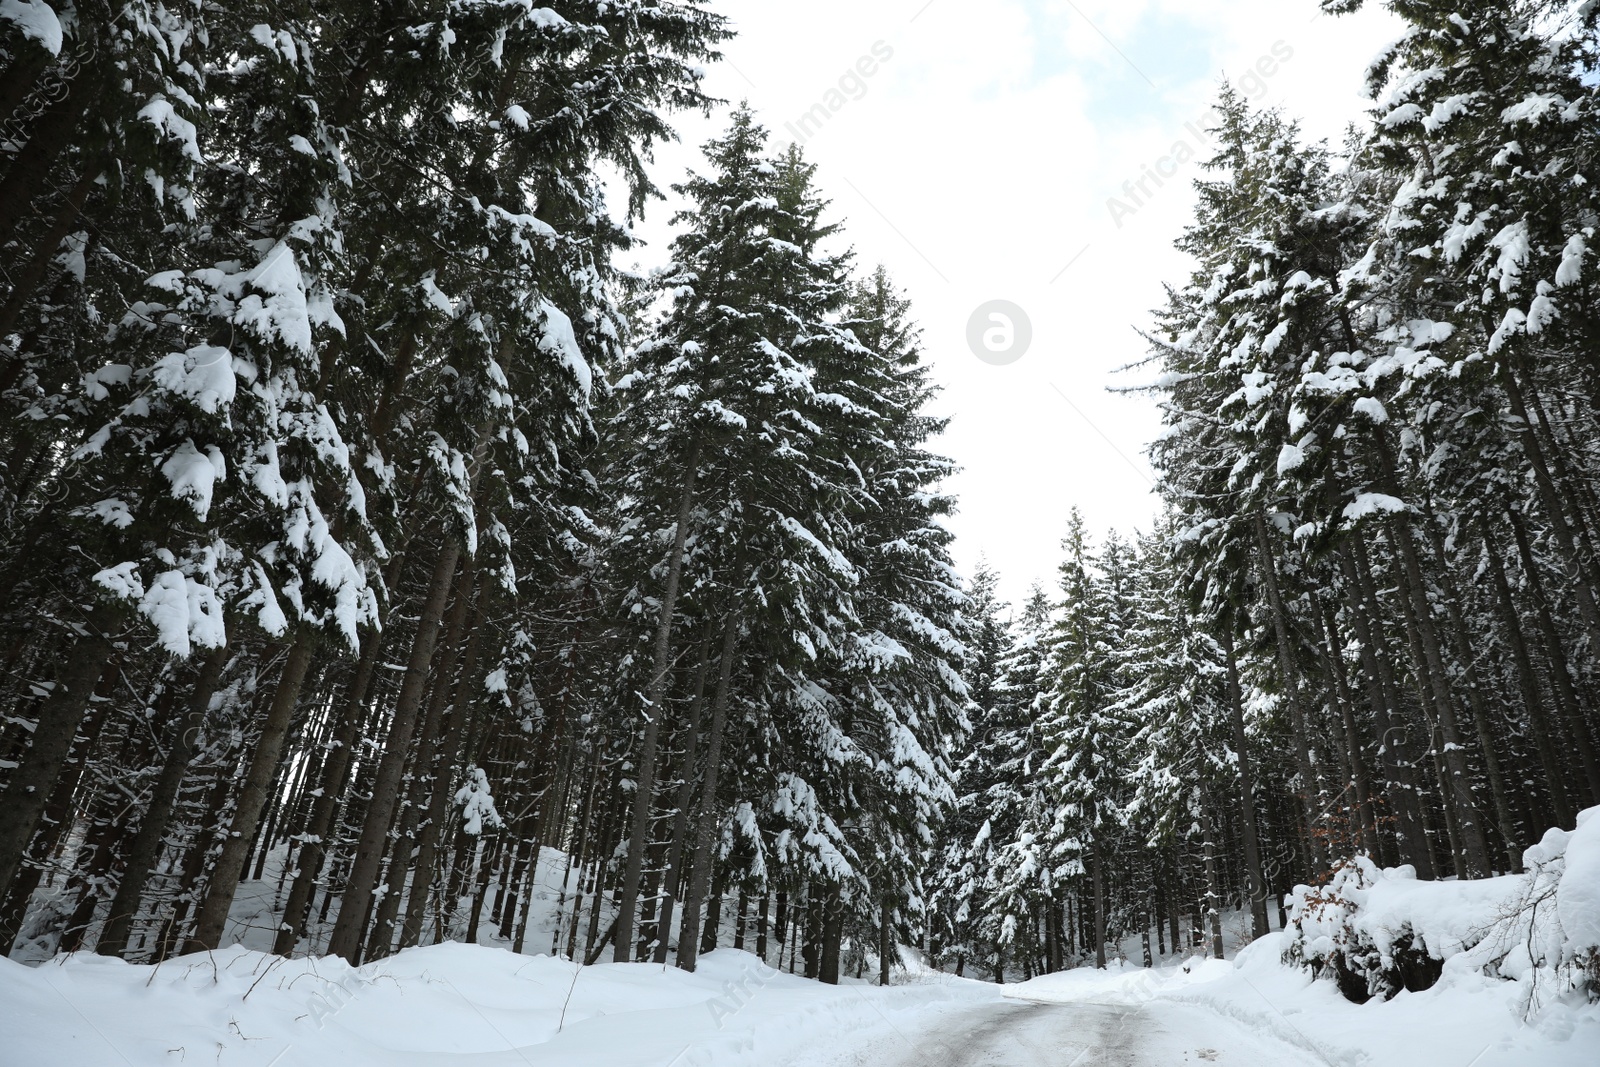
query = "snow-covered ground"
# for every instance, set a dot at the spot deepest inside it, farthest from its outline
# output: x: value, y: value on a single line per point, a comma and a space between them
x: 458, y: 1004
x: 1466, y: 1020
x: 1509, y: 995
x: 441, y: 1005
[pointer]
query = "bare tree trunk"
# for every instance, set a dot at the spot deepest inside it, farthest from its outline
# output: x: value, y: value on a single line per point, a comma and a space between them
x: 347, y: 930
x: 59, y: 718
x: 1560, y: 670
x: 1247, y: 789
x: 1383, y: 695
x: 712, y: 929
x: 1544, y: 732
x: 1455, y: 753
x: 656, y: 710
x: 598, y: 884
x: 1360, y: 780
x: 700, y: 876
x: 490, y: 855
x: 832, y: 934
x: 811, y: 947
x: 577, y: 855
x: 1213, y: 881
x: 168, y: 941
x: 55, y: 130
x: 1576, y: 554
x: 253, y: 797
x: 1462, y: 639
x: 55, y: 821
x: 680, y: 819
x: 454, y: 729
x: 145, y: 849
x: 335, y: 773
x: 886, y: 948
x: 1099, y: 906
x: 1314, y: 796
x: 28, y: 64
x: 28, y: 279
x: 381, y: 936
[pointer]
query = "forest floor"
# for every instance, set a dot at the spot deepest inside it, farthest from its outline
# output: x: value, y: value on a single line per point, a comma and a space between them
x: 456, y: 1004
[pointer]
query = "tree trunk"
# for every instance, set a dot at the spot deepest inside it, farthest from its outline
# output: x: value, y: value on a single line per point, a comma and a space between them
x: 346, y: 938
x: 656, y: 710
x: 886, y: 949
x: 1544, y: 732
x: 713, y: 925
x: 31, y: 275
x: 1383, y: 695
x: 425, y: 872
x: 811, y: 947
x: 1314, y: 796
x: 1560, y: 671
x: 1455, y: 754
x: 55, y: 130
x: 1582, y: 590
x: 832, y: 934
x: 700, y: 877
x: 781, y: 924
x: 30, y: 60
x: 1099, y: 907
x: 1462, y: 639
x: 1213, y: 881
x: 382, y: 934
x: 59, y: 718
x: 491, y: 855
x: 253, y: 797
x: 1247, y: 789
x: 335, y: 773
x: 54, y: 822
x: 1360, y: 780
x: 182, y: 740
x: 680, y: 819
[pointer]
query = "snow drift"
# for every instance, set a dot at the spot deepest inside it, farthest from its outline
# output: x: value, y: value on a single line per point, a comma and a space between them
x: 1379, y: 931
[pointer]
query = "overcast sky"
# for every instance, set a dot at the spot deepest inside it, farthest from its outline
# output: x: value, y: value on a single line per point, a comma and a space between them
x: 977, y: 162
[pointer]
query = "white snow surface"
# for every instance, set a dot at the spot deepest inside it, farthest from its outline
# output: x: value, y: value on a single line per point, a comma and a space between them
x: 455, y: 1003
x: 1532, y: 931
x: 36, y: 19
x: 1464, y: 1019
x: 203, y: 375
x: 1373, y: 504
x: 440, y: 1005
x: 184, y: 612
x: 194, y: 475
x: 482, y: 1004
x: 1578, y: 891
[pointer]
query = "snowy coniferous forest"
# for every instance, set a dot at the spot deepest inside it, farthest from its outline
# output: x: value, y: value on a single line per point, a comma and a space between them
x: 384, y: 565
x: 359, y: 509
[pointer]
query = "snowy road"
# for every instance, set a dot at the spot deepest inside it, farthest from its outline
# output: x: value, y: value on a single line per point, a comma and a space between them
x: 1024, y: 1034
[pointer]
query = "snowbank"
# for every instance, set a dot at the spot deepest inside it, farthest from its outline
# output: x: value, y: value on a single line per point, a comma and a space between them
x: 450, y: 1003
x: 439, y: 1005
x: 1465, y: 1018
x: 1378, y: 932
x: 1121, y: 983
